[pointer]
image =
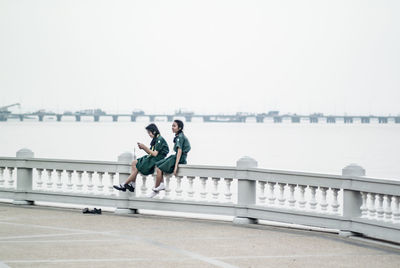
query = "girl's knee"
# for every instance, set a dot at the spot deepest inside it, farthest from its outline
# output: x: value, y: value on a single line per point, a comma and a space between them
x: 134, y: 163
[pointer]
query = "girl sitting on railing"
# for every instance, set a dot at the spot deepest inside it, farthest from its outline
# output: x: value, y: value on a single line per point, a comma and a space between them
x: 145, y: 165
x: 170, y: 164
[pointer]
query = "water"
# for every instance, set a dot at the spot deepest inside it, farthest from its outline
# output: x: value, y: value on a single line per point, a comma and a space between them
x: 323, y: 148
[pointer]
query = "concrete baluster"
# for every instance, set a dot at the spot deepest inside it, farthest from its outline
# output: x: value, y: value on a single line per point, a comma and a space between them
x: 364, y: 206
x: 59, y: 177
x: 379, y: 210
x: 123, y: 204
x: 292, y: 199
x: 100, y: 186
x: 388, y: 207
x: 178, y: 189
x: 11, y: 176
x: 90, y: 182
x: 39, y: 181
x: 281, y: 198
x: 302, y: 201
x: 167, y: 186
x: 271, y: 193
x: 69, y: 175
x: 111, y: 178
x: 323, y: 204
x: 49, y: 179
x: 313, y: 201
x: 79, y: 185
x: 1, y: 176
x: 190, y: 191
x: 144, y: 186
x: 396, y: 209
x: 371, y: 207
x: 228, y: 193
x: 262, y: 191
x: 203, y: 192
x: 335, y: 203
x: 215, y: 193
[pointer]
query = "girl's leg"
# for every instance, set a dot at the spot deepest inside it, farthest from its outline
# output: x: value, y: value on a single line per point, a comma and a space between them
x: 134, y: 173
x: 159, y: 177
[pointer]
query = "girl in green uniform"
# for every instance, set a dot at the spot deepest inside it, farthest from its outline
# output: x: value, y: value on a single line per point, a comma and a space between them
x: 170, y: 164
x: 145, y: 165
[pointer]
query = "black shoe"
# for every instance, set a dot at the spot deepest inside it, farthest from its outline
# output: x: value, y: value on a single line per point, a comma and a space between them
x: 130, y: 187
x: 97, y: 211
x: 120, y: 187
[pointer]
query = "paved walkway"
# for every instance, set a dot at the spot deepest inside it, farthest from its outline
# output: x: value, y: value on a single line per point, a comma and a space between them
x: 47, y: 237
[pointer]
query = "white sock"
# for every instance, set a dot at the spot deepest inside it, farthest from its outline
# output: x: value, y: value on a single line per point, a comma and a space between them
x: 133, y: 184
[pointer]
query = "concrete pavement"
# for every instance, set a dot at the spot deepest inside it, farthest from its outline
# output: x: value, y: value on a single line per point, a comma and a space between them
x: 47, y: 237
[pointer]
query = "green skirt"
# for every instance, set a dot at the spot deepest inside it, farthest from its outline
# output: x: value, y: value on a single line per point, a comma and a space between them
x: 146, y: 164
x: 167, y: 165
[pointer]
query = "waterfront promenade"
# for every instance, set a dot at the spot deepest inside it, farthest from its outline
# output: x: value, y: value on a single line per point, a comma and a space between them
x: 32, y: 236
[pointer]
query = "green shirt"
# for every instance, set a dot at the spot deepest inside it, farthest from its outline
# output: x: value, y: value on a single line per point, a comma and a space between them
x: 183, y: 143
x: 161, y: 147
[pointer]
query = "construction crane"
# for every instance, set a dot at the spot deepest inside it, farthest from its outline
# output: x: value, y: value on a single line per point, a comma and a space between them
x: 4, y: 112
x: 4, y: 108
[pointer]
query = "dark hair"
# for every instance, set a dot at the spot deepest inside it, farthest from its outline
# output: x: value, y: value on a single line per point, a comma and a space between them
x: 180, y: 126
x: 154, y: 130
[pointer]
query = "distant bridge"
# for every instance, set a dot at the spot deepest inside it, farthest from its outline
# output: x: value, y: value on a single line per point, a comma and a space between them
x: 259, y: 118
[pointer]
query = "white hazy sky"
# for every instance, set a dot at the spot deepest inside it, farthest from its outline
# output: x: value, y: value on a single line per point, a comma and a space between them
x: 222, y: 56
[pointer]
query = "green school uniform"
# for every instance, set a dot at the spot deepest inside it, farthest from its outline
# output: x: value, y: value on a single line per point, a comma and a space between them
x: 167, y: 165
x: 147, y: 163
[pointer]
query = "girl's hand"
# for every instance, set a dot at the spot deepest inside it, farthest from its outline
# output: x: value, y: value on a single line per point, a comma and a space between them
x: 140, y: 145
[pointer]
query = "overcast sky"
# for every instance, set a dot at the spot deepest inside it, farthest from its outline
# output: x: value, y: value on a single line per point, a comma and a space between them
x: 219, y: 56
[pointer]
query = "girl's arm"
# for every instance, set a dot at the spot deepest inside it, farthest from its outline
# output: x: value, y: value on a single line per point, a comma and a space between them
x: 178, y: 157
x: 147, y: 150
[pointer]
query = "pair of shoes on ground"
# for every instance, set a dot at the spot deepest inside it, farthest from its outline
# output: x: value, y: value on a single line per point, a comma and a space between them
x: 124, y: 187
x: 156, y: 190
x: 94, y: 211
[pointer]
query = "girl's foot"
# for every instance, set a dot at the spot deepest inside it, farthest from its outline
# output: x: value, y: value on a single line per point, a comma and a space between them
x: 130, y: 187
x: 120, y: 187
x: 159, y: 188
